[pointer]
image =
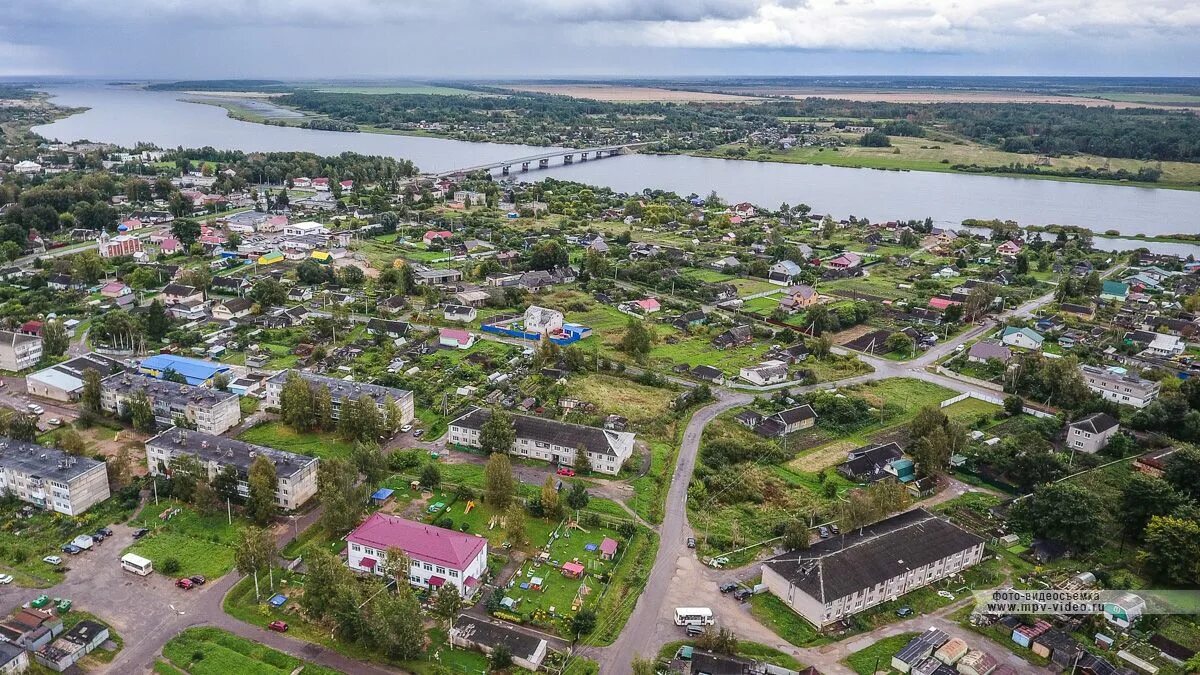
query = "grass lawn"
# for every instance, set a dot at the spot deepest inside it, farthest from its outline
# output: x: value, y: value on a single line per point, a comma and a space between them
x: 205, y: 650
x: 202, y: 544
x: 878, y: 655
x: 786, y: 623
x: 278, y: 435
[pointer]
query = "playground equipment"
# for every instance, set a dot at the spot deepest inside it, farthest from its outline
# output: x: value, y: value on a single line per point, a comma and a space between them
x: 574, y: 525
x: 470, y: 505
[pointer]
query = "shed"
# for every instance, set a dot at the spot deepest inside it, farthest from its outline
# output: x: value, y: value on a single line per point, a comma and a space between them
x: 952, y: 651
x: 608, y: 548
x: 572, y: 570
x: 381, y: 496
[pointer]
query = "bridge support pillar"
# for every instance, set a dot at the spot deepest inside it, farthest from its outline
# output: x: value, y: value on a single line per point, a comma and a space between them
x: 524, y: 166
x: 543, y: 163
x: 583, y: 156
x: 504, y: 170
x: 568, y: 159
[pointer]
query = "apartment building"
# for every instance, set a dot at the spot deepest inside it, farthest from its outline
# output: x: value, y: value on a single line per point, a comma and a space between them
x: 50, y: 478
x: 19, y: 351
x: 437, y: 556
x: 1118, y: 386
x: 341, y: 390
x: 297, y: 474
x: 851, y: 572
x: 552, y: 441
x: 211, y: 411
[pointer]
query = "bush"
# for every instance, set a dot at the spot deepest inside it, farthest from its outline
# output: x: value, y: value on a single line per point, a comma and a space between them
x: 170, y: 566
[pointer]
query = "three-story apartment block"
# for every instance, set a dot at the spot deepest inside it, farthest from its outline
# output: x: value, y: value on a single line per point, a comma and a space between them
x: 50, y: 478
x: 341, y: 390
x: 211, y: 411
x: 19, y: 351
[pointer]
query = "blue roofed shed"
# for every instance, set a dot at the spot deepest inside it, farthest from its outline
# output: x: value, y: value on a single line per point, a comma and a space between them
x: 197, y: 372
x: 381, y: 496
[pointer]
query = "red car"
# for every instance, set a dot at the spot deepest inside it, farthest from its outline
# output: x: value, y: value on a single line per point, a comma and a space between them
x: 277, y: 626
x: 566, y: 472
x: 185, y: 584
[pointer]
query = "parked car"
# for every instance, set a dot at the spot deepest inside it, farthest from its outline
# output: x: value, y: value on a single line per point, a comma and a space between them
x: 834, y: 529
x: 904, y: 611
x: 418, y: 433
x: 278, y: 626
x: 566, y: 471
x: 742, y: 594
x: 824, y: 532
x: 727, y: 587
x: 199, y: 580
x: 106, y: 531
x: 54, y: 422
x: 406, y: 428
x: 71, y: 549
x: 35, y: 409
x: 6, y: 578
x: 185, y: 583
x: 52, y: 559
x: 140, y: 532
x: 691, y: 542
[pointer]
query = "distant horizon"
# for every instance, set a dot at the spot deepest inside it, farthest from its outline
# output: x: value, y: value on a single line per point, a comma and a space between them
x: 649, y: 78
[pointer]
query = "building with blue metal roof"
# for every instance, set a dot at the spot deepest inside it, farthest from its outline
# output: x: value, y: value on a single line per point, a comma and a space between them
x: 197, y: 372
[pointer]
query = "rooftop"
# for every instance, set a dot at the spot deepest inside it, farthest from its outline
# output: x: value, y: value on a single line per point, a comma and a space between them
x: 195, y: 371
x: 594, y: 439
x: 163, y: 391
x: 38, y: 460
x: 341, y: 389
x: 1096, y: 423
x: 418, y: 540
x: 228, y: 451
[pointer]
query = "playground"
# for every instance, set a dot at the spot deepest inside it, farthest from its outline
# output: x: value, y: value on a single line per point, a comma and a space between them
x: 568, y: 572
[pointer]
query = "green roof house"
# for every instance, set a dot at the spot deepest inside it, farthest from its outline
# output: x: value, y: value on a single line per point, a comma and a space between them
x: 1114, y: 290
x: 903, y: 469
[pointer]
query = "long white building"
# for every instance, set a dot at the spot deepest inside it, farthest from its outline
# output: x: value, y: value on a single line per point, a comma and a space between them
x: 50, y: 478
x: 341, y: 390
x: 552, y: 441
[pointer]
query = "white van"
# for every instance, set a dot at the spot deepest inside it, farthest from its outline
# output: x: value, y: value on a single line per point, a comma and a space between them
x: 131, y: 562
x: 693, y: 616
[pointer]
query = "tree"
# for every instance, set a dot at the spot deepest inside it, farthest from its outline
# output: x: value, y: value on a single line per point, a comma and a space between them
x: 70, y: 442
x: 578, y: 497
x: 186, y: 230
x: 447, y: 603
x: 220, y: 382
x: 205, y: 498
x: 796, y: 536
x: 583, y: 623
x: 548, y: 255
x: 875, y: 139
x: 583, y: 463
x: 1142, y: 498
x: 186, y: 473
x: 1062, y: 512
x: 393, y: 418
x: 497, y: 434
x: 900, y: 343
x: 89, y: 398
x: 296, y: 403
x: 370, y: 462
x: 499, y: 487
x: 932, y: 452
x: 1013, y: 405
x: 120, y: 467
x: 637, y: 339
x: 141, y: 414
x: 431, y: 476
x: 501, y: 657
x: 550, y: 498
x: 321, y: 406
x: 341, y: 497
x: 87, y: 266
x: 327, y: 576
x: 1172, y: 550
x: 268, y: 292
x: 255, y: 550
x: 263, y: 482
x: 1183, y: 471
x: 157, y: 322
x: 514, y: 524
x: 226, y: 484
x: 54, y: 338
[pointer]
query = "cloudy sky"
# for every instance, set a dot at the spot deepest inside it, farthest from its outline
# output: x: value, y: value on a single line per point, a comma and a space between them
x: 568, y: 38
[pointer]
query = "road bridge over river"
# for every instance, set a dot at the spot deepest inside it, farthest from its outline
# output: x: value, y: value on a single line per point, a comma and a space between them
x: 542, y: 160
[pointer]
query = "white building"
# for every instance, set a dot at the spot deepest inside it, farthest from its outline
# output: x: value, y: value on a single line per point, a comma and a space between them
x: 19, y: 351
x: 552, y: 441
x: 542, y: 320
x: 1119, y: 387
x: 341, y: 390
x: 1091, y: 433
x: 767, y: 372
x: 211, y: 411
x: 297, y: 474
x: 438, y: 556
x: 64, y: 381
x: 306, y: 228
x: 50, y: 478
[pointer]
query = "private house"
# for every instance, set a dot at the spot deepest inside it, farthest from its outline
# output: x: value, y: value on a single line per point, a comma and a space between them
x: 797, y: 298
x: 708, y: 374
x: 64, y: 381
x: 114, y: 290
x: 208, y: 410
x: 455, y: 338
x: 50, y: 478
x: 341, y: 390
x: 1009, y: 248
x: 728, y: 262
x: 472, y: 298
x: 197, y: 372
x: 471, y: 632
x: 552, y: 441
x: 768, y: 372
x: 541, y: 320
x: 1091, y: 433
x: 1024, y: 338
x: 19, y: 351
x: 459, y: 313
x: 780, y: 423
x: 845, y: 261
x: 437, y: 556
x: 868, y: 463
x: 175, y: 294
x: 297, y: 474
x: 839, y: 577
x: 1114, y: 290
x: 640, y: 307
x: 62, y: 282
x: 941, y: 303
x: 1165, y: 346
x: 428, y: 276
x: 782, y: 272
x: 392, y: 329
x: 1081, y: 311
x: 986, y: 350
x: 738, y: 336
x: 234, y: 308
x: 1117, y: 386
x: 432, y: 236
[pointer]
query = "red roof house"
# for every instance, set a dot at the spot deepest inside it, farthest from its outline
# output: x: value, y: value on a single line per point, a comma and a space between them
x: 845, y: 261
x: 456, y: 338
x: 941, y: 304
x: 439, y: 556
x: 608, y: 548
x: 434, y: 235
x: 649, y: 305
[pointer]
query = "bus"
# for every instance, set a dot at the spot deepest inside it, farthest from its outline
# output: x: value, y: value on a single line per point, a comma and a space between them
x: 693, y: 616
x: 131, y: 562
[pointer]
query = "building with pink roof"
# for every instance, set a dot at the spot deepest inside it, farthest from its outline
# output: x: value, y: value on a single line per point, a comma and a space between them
x: 438, y: 556
x: 608, y: 548
x: 456, y: 338
x: 572, y: 570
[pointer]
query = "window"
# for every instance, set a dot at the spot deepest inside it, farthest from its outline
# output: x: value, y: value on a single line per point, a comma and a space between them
x: 441, y: 570
x: 355, y: 547
x: 428, y: 567
x: 453, y: 574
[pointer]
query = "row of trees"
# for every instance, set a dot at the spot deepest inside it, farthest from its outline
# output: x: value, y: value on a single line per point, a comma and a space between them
x: 188, y: 480
x: 309, y: 407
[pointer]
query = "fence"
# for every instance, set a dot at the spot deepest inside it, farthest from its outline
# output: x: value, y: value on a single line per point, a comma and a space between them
x: 1025, y: 407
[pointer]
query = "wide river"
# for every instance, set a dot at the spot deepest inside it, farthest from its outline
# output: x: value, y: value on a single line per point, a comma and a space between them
x: 126, y: 116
